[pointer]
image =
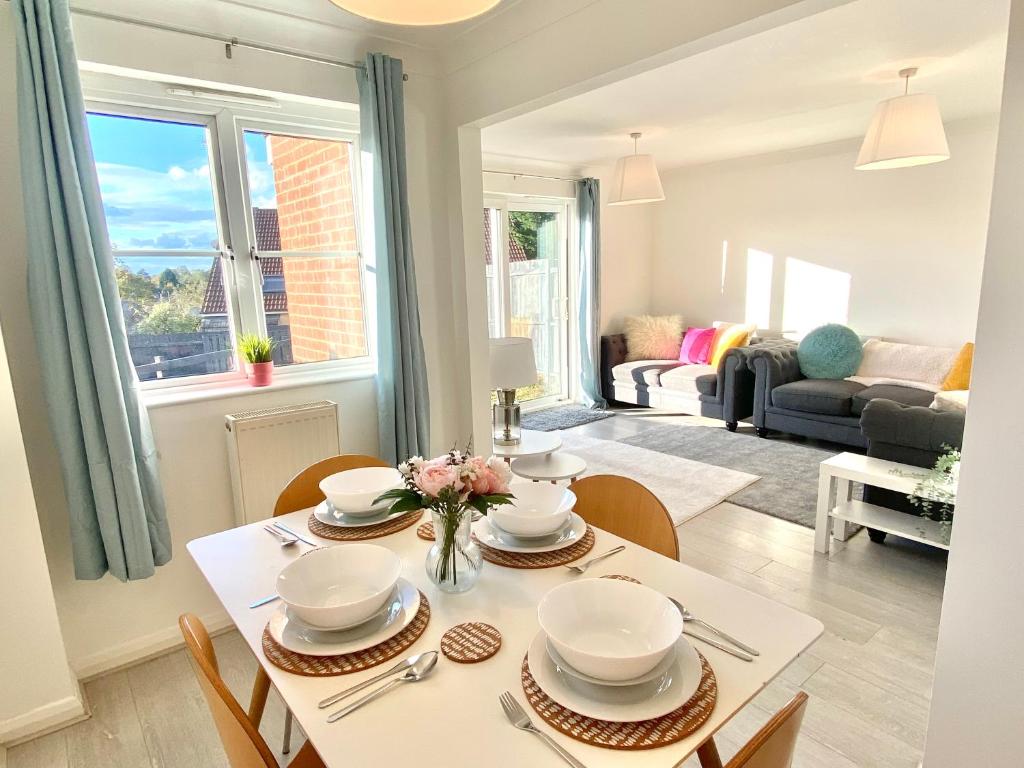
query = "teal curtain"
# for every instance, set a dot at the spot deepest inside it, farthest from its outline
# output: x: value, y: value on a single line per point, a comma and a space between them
x: 403, y: 404
x: 108, y: 461
x: 588, y: 208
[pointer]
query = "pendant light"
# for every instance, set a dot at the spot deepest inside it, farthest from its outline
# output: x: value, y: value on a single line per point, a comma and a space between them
x: 417, y: 14
x: 635, y: 179
x: 906, y: 130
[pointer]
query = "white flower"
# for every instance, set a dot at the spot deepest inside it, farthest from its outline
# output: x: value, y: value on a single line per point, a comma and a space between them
x: 407, y: 468
x: 499, y: 467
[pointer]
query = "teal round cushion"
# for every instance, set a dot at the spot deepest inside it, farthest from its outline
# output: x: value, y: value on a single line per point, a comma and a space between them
x: 830, y: 352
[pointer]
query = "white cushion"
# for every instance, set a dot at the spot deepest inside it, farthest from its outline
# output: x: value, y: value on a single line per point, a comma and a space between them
x: 684, y: 378
x: 650, y: 337
x: 954, y: 400
x: 888, y: 362
x: 647, y: 372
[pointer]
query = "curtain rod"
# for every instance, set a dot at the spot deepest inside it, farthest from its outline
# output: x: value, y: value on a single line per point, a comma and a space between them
x: 228, y: 42
x: 534, y: 176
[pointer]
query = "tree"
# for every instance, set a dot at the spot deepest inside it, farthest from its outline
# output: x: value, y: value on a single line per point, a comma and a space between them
x: 169, y: 316
x: 168, y: 280
x: 524, y: 228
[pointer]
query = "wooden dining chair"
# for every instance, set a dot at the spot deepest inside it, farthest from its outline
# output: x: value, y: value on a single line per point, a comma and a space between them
x: 242, y: 741
x: 771, y: 747
x: 624, y: 507
x: 303, y: 491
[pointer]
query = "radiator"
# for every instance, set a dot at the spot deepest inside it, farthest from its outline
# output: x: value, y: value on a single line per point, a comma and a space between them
x: 269, y: 446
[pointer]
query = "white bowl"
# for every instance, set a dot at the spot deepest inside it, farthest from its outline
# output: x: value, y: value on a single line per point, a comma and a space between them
x: 609, y: 629
x: 537, y: 509
x: 339, y: 586
x: 352, y: 492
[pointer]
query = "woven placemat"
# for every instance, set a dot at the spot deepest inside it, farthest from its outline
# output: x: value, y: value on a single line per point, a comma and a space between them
x: 644, y: 734
x: 426, y: 531
x: 328, y: 666
x: 540, y: 559
x: 471, y: 642
x: 335, y: 533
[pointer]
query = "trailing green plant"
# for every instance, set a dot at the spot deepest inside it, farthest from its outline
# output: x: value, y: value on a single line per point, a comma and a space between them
x: 256, y: 348
x: 935, y: 492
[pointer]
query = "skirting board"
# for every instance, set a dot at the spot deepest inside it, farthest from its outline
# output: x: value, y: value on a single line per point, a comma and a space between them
x: 141, y: 648
x: 48, y: 717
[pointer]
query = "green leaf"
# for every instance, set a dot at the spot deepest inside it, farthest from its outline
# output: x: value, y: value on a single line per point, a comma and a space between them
x: 397, y: 493
x: 479, y: 503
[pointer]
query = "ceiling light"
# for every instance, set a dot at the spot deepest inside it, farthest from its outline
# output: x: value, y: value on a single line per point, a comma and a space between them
x: 635, y: 179
x: 905, y: 131
x: 418, y: 13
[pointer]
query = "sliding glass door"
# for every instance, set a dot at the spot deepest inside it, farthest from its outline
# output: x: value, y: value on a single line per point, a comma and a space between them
x: 526, y: 252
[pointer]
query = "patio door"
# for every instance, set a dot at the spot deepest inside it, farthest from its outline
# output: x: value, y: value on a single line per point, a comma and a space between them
x: 526, y: 252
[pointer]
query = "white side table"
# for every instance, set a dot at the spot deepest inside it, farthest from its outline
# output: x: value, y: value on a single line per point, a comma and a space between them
x: 835, y: 507
x: 532, y: 443
x: 550, y: 467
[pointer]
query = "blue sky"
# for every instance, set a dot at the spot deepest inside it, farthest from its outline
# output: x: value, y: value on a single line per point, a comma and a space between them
x: 156, y: 186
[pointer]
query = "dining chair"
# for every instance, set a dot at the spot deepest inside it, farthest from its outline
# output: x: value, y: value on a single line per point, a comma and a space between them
x: 626, y: 508
x: 241, y: 739
x: 770, y: 747
x: 301, y: 492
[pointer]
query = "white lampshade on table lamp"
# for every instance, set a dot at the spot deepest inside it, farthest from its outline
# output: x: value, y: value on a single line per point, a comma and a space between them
x: 512, y: 366
x: 905, y: 131
x: 635, y: 179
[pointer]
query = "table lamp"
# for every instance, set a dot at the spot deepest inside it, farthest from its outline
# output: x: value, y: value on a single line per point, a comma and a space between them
x: 512, y: 366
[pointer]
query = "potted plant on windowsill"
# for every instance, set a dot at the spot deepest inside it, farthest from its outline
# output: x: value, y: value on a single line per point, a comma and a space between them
x: 258, y: 352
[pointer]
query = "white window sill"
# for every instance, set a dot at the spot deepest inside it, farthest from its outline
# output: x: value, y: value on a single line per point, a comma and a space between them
x: 194, y: 393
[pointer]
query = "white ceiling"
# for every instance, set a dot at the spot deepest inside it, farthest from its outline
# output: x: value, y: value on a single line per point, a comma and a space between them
x: 811, y: 82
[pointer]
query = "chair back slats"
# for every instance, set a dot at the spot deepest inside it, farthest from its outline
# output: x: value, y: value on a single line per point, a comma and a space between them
x: 773, y: 746
x: 626, y: 508
x: 303, y: 490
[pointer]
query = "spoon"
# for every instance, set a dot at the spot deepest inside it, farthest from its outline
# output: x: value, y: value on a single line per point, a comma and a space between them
x: 284, y: 540
x: 402, y: 665
x: 420, y: 669
x: 687, y: 616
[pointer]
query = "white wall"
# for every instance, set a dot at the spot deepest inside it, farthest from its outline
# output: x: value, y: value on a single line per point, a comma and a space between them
x: 106, y: 622
x: 911, y: 239
x: 977, y: 699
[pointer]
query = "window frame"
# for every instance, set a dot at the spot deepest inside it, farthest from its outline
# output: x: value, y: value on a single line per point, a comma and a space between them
x: 225, y: 125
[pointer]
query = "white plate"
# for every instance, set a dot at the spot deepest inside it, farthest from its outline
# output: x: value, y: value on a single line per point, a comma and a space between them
x: 517, y: 539
x: 617, y: 704
x: 572, y: 534
x: 325, y: 513
x: 663, y: 666
x: 296, y: 635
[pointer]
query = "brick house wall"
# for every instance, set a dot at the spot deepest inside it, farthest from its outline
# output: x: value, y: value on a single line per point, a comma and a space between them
x: 313, y: 182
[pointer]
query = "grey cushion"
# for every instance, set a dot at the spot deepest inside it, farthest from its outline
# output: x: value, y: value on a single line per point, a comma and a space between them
x: 828, y: 396
x: 707, y: 384
x: 643, y: 372
x: 894, y: 392
x: 684, y: 378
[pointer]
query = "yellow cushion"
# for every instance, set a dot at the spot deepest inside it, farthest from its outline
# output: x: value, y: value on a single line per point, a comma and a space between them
x: 729, y: 337
x: 959, y: 376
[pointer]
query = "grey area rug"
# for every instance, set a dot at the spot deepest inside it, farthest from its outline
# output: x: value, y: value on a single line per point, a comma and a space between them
x: 788, y: 484
x: 562, y: 417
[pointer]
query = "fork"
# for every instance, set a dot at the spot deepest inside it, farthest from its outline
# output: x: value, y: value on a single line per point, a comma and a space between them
x: 518, y: 717
x: 582, y: 567
x: 284, y: 540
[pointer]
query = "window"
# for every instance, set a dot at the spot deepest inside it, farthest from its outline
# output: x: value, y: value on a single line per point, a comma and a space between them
x: 222, y: 224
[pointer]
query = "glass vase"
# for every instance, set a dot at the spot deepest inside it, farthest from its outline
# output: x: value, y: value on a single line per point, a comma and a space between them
x: 454, y: 560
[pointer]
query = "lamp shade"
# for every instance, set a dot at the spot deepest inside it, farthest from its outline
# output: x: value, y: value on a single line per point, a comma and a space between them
x: 635, y: 181
x: 512, y: 363
x: 417, y: 14
x: 904, y: 131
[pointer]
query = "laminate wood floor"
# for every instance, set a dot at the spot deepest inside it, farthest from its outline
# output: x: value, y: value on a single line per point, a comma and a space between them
x: 869, y: 676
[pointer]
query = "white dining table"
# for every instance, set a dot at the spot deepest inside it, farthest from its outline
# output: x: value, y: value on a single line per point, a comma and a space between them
x: 453, y: 718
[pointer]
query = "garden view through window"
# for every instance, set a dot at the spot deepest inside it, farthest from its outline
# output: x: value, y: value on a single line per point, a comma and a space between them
x: 181, y: 300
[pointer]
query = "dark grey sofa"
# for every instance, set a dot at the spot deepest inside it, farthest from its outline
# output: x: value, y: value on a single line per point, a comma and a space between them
x: 825, y: 409
x: 726, y: 393
x: 910, y: 435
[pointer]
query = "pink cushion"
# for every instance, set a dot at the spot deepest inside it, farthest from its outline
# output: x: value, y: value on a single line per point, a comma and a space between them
x: 696, y: 345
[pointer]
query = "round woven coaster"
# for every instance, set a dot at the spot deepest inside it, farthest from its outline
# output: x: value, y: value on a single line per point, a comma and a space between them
x: 471, y: 642
x: 620, y: 577
x: 645, y: 734
x: 366, y: 532
x: 426, y: 531
x: 327, y: 666
x: 540, y: 559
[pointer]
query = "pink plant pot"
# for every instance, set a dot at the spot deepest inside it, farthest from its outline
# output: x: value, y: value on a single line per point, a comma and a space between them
x: 262, y: 374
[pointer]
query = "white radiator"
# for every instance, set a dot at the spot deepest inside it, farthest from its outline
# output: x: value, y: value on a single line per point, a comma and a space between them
x: 269, y: 446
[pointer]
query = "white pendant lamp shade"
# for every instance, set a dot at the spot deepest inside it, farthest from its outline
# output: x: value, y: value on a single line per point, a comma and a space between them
x: 417, y: 13
x: 635, y: 180
x: 512, y: 363
x: 904, y: 131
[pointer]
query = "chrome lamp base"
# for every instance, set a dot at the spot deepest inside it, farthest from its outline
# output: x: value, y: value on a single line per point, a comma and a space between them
x: 505, y: 419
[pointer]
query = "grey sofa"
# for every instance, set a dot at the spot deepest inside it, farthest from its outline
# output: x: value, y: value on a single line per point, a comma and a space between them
x: 910, y: 435
x: 826, y: 409
x: 725, y: 392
